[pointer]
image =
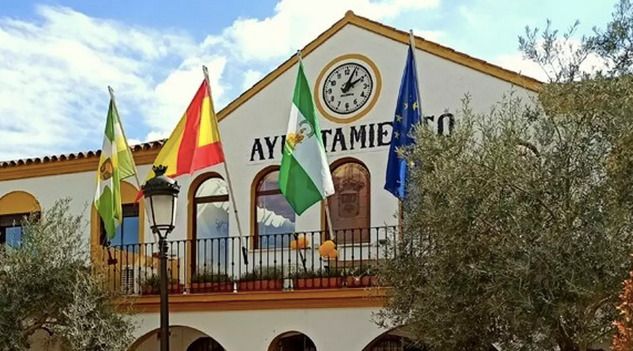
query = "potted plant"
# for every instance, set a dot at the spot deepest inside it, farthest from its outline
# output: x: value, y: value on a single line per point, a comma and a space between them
x: 364, y: 276
x: 150, y: 285
x: 261, y: 279
x: 208, y: 281
x: 320, y: 279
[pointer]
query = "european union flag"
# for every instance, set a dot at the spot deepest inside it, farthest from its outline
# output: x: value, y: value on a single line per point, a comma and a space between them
x: 408, y: 114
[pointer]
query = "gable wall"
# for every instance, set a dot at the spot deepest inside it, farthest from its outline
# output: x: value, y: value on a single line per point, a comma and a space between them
x: 442, y: 83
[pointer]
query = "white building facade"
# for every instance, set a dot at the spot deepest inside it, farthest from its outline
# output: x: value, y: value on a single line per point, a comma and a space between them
x: 270, y: 288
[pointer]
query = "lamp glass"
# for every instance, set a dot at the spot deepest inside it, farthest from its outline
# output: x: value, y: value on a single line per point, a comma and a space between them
x: 163, y: 209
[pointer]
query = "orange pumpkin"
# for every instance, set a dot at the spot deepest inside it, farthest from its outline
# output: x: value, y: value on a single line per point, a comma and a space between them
x: 302, y: 241
x: 326, y: 248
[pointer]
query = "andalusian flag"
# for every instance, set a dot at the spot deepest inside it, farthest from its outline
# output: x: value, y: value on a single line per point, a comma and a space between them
x: 116, y: 163
x: 304, y: 177
x: 195, y: 143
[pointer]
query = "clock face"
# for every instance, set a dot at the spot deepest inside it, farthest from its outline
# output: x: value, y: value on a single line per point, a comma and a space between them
x: 347, y: 88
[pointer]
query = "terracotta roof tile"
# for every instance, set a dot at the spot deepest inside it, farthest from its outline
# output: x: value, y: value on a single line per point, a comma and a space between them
x: 73, y: 156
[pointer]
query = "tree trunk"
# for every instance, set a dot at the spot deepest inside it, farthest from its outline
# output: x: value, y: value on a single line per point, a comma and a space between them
x: 568, y: 346
x: 565, y: 343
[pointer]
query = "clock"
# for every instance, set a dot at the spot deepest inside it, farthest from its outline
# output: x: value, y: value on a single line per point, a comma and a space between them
x: 347, y: 88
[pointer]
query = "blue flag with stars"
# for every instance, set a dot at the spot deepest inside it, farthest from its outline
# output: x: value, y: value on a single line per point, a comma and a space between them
x: 408, y: 114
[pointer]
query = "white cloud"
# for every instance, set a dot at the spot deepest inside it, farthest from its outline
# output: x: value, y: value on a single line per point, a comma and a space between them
x: 133, y: 141
x: 153, y: 136
x: 432, y: 35
x: 251, y: 77
x: 174, y: 93
x: 55, y: 69
x: 516, y: 61
x: 297, y: 22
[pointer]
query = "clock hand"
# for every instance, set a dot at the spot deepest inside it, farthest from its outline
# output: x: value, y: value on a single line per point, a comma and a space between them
x: 347, y: 84
x: 354, y: 82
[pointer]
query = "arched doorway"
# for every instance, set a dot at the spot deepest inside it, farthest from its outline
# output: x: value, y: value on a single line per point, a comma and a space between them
x: 205, y: 344
x: 394, y: 340
x: 292, y: 341
x: 181, y: 338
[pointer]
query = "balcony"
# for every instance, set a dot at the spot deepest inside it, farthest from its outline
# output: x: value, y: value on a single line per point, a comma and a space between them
x: 264, y: 263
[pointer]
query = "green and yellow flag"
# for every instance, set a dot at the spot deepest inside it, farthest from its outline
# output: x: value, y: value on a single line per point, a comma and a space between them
x: 304, y: 176
x: 116, y: 164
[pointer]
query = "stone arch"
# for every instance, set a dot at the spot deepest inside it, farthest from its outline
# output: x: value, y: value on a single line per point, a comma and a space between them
x: 395, y: 339
x: 292, y: 341
x: 205, y: 343
x: 181, y: 338
x: 18, y: 202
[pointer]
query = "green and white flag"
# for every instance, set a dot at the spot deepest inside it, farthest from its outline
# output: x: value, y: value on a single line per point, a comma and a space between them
x: 116, y: 163
x: 304, y: 177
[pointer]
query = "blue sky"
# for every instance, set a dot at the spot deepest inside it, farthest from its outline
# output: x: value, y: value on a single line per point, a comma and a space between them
x: 57, y: 57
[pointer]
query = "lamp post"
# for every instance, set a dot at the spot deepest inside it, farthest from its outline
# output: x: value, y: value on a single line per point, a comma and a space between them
x: 161, y: 194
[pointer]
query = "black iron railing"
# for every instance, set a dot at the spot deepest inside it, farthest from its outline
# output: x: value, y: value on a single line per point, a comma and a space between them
x: 292, y: 261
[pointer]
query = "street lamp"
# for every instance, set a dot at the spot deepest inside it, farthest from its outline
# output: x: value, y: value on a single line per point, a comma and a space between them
x: 161, y: 194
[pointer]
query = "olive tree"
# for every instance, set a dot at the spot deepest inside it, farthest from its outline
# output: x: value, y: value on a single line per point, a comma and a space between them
x: 518, y: 227
x: 47, y: 286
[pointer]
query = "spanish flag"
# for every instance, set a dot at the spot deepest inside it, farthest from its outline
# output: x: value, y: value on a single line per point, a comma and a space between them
x: 195, y: 143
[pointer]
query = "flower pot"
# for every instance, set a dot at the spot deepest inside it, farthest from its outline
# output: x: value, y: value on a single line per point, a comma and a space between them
x: 361, y: 281
x: 175, y: 287
x: 172, y: 288
x: 317, y: 283
x: 260, y: 285
x: 150, y: 290
x: 201, y: 287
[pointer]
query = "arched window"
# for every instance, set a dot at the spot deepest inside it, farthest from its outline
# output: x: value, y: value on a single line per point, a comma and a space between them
x: 210, y: 219
x: 211, y: 208
x: 272, y: 213
x: 130, y: 232
x: 15, y: 207
x: 350, y: 204
x: 127, y: 233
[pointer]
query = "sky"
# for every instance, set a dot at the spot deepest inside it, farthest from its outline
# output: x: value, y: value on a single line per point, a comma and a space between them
x: 58, y: 57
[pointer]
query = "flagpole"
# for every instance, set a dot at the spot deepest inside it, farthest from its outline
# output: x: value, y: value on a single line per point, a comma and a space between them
x: 415, y: 69
x: 329, y: 219
x: 412, y: 45
x: 226, y: 168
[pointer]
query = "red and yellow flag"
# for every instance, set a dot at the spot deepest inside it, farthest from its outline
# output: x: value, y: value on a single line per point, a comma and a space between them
x: 195, y: 143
